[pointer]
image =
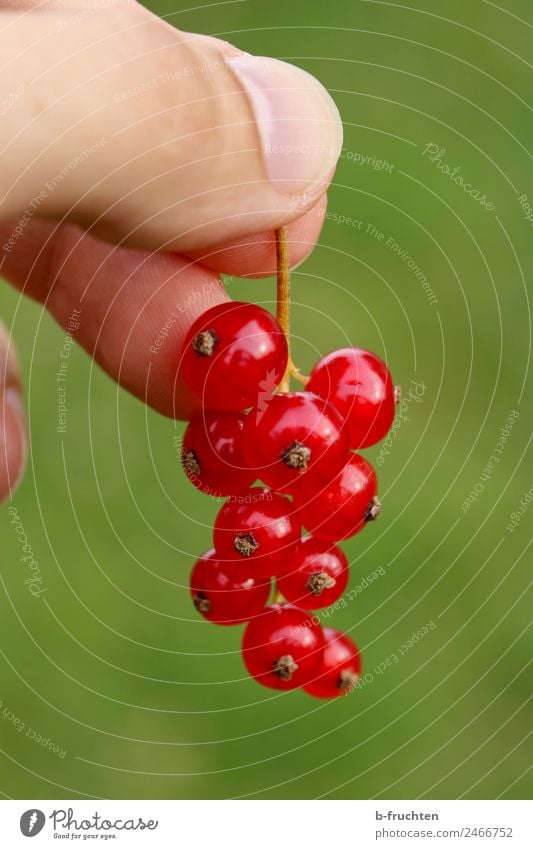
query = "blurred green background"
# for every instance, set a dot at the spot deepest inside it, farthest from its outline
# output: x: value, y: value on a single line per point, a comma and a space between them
x: 144, y: 699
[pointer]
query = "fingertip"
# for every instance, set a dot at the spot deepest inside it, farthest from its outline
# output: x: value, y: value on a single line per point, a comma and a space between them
x: 255, y: 256
x: 13, y: 442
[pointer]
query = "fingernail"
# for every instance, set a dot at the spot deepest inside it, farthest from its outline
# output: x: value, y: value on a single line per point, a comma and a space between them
x: 298, y: 123
x: 17, y: 453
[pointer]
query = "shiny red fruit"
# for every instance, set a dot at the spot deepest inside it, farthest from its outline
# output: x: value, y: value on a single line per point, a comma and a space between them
x: 283, y: 647
x: 359, y: 385
x: 338, y: 509
x: 341, y: 667
x: 260, y: 528
x: 296, y: 434
x: 234, y: 356
x: 317, y: 575
x: 220, y: 593
x: 212, y: 453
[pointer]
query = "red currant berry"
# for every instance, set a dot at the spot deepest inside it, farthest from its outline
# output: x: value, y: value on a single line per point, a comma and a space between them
x: 318, y: 575
x: 282, y: 648
x: 295, y: 434
x: 341, y: 667
x: 212, y: 453
x: 339, y: 509
x: 221, y: 595
x: 233, y: 353
x: 260, y: 527
x: 360, y: 386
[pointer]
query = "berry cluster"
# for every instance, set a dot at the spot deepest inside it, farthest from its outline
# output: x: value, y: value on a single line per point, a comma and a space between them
x: 301, y: 446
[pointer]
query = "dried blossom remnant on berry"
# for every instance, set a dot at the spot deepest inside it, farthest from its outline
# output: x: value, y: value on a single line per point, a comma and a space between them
x: 285, y: 667
x: 205, y: 342
x: 190, y: 463
x: 319, y: 581
x: 374, y: 510
x: 397, y: 394
x: 201, y: 602
x: 246, y: 544
x: 296, y: 456
x: 348, y: 679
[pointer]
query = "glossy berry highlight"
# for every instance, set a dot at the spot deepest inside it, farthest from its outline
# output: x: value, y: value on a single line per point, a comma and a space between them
x: 283, y: 647
x: 222, y: 595
x: 295, y: 434
x: 341, y: 667
x: 340, y: 508
x: 234, y: 355
x: 212, y: 453
x: 258, y: 527
x: 359, y: 384
x: 317, y: 575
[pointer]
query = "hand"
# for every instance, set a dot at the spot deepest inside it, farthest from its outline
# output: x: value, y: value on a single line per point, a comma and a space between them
x: 137, y: 163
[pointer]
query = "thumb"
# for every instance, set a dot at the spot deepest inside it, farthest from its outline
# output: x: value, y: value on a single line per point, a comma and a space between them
x: 162, y: 138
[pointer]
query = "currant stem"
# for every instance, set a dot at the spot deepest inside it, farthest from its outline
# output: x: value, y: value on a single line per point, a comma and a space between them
x: 283, y: 313
x: 283, y: 310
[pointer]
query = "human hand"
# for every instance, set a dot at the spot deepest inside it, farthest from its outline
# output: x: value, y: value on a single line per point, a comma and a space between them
x: 137, y: 163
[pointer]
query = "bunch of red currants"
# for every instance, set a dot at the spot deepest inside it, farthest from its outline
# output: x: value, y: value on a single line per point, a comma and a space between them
x: 300, y: 444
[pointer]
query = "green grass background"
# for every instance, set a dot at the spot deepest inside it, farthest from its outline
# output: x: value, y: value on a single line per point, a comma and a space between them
x: 112, y: 663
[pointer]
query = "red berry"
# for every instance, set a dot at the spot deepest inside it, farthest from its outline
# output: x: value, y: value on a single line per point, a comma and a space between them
x: 318, y: 575
x: 259, y: 527
x: 339, y: 509
x: 282, y: 648
x: 295, y: 434
x: 234, y: 355
x: 360, y: 386
x: 341, y: 667
x: 221, y: 595
x: 212, y: 453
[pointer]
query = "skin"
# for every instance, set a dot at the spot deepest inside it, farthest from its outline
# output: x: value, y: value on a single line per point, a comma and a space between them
x: 144, y: 226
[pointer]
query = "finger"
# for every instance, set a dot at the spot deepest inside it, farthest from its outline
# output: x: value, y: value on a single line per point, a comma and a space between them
x: 255, y: 256
x: 13, y: 428
x: 163, y: 138
x: 129, y: 309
